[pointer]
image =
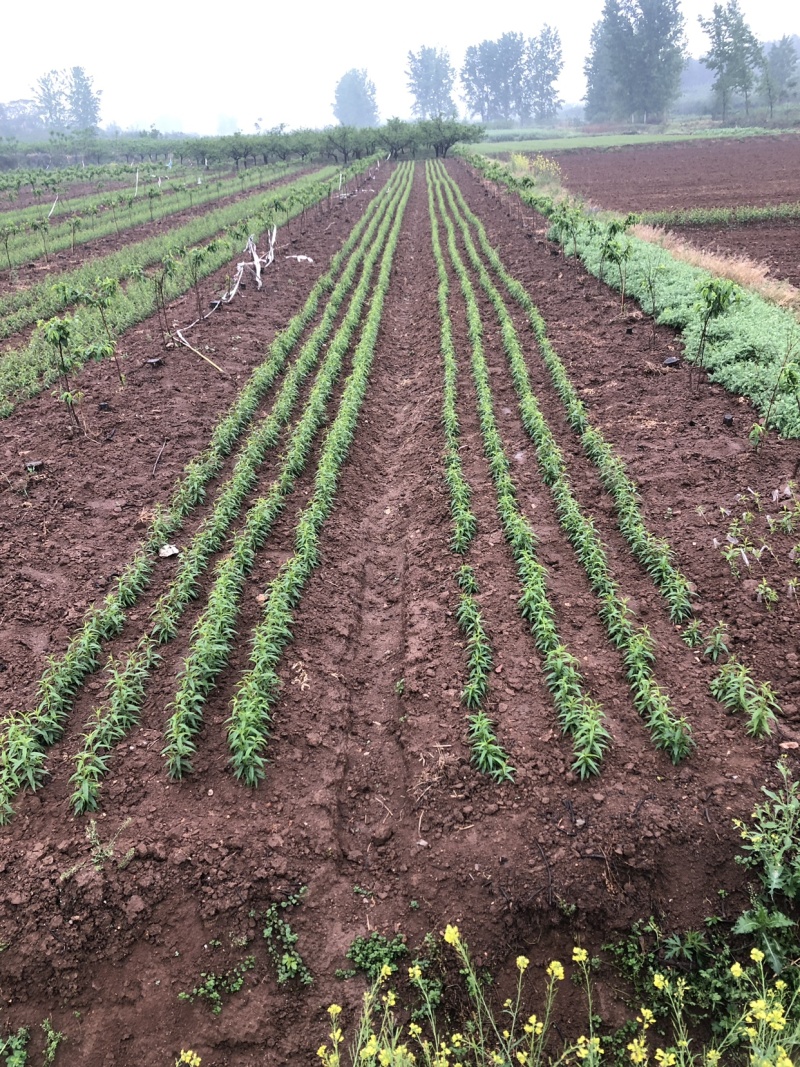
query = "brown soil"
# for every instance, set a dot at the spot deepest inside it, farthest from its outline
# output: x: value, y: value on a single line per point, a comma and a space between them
x: 370, y: 800
x: 775, y: 243
x: 703, y: 173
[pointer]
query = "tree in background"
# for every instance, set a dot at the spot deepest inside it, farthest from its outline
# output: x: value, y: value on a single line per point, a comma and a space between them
x: 50, y: 97
x: 66, y: 100
x: 545, y: 63
x: 354, y: 104
x: 636, y: 57
x: 430, y: 81
x: 83, y: 101
x: 513, y: 77
x: 734, y: 54
x: 779, y: 73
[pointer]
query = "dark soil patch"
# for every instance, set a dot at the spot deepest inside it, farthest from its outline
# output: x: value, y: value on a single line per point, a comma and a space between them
x: 775, y: 243
x: 702, y: 173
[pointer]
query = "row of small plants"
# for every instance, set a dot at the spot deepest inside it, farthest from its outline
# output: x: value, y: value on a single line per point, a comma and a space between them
x: 28, y: 237
x: 743, y: 345
x: 734, y: 685
x: 214, y: 633
x: 126, y: 682
x: 722, y: 216
x: 578, y: 715
x: 258, y: 690
x: 757, y: 701
x: 25, y: 737
x: 653, y: 553
x: 28, y: 370
x: 487, y: 753
x: 669, y: 733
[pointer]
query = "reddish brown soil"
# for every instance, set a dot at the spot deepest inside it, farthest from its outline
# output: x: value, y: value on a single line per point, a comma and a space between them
x: 775, y: 243
x: 703, y: 173
x: 370, y: 800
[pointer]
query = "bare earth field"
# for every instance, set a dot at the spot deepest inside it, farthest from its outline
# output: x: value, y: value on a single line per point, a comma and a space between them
x: 705, y: 173
x: 370, y: 799
x: 775, y: 243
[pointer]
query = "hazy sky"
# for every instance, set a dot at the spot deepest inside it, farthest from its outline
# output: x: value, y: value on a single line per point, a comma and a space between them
x: 211, y: 68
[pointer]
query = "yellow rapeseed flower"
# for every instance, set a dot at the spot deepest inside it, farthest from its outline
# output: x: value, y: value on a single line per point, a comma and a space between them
x: 555, y: 970
x: 415, y: 973
x: 783, y: 1059
x: 638, y: 1050
x: 522, y: 1057
x: 756, y: 955
x: 522, y: 962
x: 666, y: 1059
x: 579, y: 955
x: 737, y: 970
x: 451, y: 935
x: 660, y: 982
x: 646, y: 1017
x: 414, y: 1029
x: 334, y: 1010
x: 713, y: 1056
x: 386, y: 971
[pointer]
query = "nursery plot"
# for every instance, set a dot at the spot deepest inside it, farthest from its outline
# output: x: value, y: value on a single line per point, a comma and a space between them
x: 371, y: 798
x: 84, y: 235
x: 702, y: 173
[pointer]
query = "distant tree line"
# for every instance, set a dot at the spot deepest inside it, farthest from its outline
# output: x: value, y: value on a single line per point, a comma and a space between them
x: 62, y: 101
x: 638, y: 54
x: 396, y: 138
x: 510, y: 79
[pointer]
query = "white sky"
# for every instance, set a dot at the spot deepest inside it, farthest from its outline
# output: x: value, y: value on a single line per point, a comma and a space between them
x: 218, y: 67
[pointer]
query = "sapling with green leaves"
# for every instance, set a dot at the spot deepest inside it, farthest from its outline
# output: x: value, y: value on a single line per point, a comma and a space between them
x: 195, y: 258
x: 7, y: 231
x: 57, y: 334
x: 716, y: 297
x: 716, y: 642
x: 651, y: 271
x: 100, y: 295
x: 75, y: 223
x: 618, y: 251
x: 41, y: 226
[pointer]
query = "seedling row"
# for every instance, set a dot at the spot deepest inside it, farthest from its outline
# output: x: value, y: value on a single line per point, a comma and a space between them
x: 28, y: 736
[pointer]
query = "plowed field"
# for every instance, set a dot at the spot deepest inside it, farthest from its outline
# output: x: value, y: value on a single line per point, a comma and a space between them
x: 369, y: 797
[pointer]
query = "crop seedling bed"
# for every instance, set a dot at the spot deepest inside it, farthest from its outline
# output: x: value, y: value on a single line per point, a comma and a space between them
x: 370, y: 799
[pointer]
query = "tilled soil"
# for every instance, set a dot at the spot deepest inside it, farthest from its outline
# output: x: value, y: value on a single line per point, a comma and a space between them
x: 370, y: 800
x: 703, y: 173
x: 775, y: 243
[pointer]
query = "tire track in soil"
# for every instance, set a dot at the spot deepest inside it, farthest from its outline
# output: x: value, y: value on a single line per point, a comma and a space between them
x: 687, y: 686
